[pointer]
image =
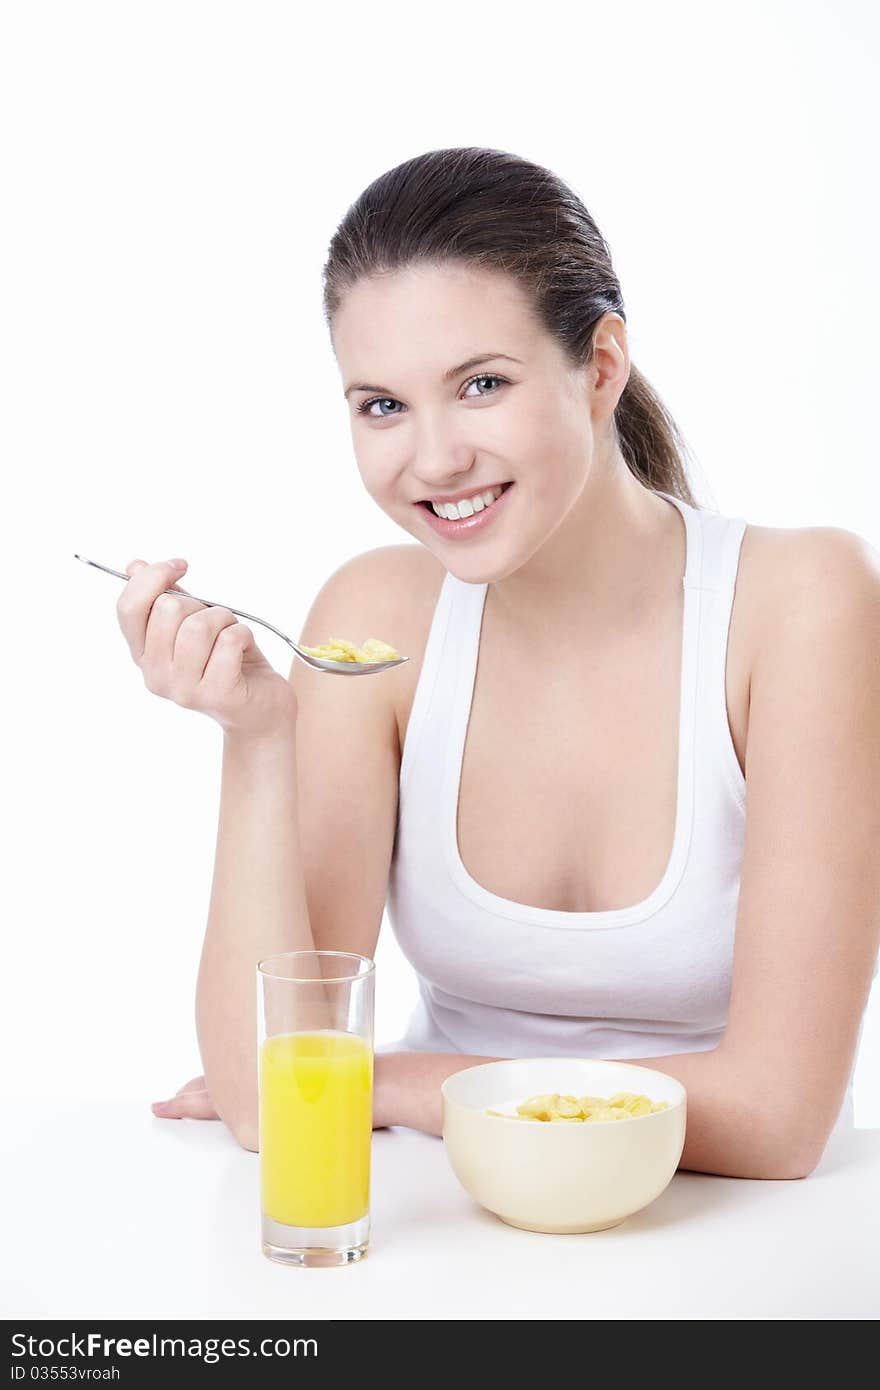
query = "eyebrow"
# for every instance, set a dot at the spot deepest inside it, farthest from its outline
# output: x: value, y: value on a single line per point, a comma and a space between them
x: 447, y: 376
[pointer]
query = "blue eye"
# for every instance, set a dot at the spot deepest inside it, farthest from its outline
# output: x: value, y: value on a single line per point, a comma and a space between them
x: 481, y: 376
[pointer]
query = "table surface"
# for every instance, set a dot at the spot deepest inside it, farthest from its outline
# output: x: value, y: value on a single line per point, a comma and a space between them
x: 110, y: 1212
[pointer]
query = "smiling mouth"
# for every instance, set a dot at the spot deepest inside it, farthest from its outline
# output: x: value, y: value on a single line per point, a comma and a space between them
x: 504, y: 487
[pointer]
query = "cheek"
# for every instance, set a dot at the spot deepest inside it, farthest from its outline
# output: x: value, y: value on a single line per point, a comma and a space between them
x: 551, y: 449
x: 378, y: 474
x: 541, y: 425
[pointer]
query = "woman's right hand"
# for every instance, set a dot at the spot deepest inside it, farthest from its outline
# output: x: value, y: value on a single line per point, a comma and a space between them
x: 201, y: 657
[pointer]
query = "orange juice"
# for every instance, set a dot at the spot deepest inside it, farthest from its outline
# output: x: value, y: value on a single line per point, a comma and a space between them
x: 316, y: 1124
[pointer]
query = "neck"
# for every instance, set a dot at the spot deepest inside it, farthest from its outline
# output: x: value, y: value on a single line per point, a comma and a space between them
x: 618, y: 550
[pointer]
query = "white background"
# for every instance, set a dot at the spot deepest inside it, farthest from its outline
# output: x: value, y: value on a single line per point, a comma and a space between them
x: 172, y: 174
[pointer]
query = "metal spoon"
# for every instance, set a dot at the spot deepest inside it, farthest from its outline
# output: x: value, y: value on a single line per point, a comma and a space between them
x: 336, y: 668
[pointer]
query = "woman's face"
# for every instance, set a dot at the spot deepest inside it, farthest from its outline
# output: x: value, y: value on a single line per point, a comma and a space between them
x: 425, y: 430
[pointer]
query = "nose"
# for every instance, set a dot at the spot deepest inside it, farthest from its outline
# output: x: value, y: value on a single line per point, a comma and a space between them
x: 443, y: 470
x: 442, y: 460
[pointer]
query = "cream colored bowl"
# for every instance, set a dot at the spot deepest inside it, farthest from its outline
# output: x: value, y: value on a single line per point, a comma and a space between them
x: 544, y: 1175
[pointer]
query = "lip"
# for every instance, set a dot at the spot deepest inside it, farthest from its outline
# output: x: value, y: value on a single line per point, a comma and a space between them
x: 457, y: 530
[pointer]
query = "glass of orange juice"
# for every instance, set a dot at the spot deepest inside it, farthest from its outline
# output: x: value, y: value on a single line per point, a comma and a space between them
x: 315, y: 1062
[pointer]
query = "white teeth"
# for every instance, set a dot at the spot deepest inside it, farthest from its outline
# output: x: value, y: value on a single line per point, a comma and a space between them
x: 455, y: 511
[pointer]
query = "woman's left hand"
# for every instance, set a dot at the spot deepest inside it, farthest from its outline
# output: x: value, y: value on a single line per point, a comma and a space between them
x: 192, y: 1101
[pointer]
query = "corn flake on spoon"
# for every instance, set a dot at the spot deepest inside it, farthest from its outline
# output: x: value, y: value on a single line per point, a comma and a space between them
x: 349, y: 665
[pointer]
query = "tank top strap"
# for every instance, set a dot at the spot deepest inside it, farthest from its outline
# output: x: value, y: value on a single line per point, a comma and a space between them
x: 454, y: 633
x: 722, y: 542
x: 722, y: 538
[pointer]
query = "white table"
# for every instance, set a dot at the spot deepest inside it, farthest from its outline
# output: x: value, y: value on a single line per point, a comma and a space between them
x: 111, y: 1212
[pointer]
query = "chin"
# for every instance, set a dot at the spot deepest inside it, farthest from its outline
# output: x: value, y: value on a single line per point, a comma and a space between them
x: 480, y: 571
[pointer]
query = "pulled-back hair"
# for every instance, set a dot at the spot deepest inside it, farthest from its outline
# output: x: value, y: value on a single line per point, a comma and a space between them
x: 491, y: 210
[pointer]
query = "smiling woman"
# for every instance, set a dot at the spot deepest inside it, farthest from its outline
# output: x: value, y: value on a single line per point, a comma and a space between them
x: 637, y: 849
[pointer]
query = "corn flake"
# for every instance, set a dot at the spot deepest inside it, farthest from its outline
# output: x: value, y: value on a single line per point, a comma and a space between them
x: 555, y: 1107
x: 340, y: 649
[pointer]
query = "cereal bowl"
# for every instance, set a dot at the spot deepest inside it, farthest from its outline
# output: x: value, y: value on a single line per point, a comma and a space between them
x: 561, y: 1177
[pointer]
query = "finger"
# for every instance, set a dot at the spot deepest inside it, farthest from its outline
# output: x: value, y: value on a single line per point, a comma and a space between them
x: 178, y: 567
x: 227, y: 654
x: 198, y: 1083
x: 195, y: 640
x: 190, y: 1105
x: 164, y: 618
x: 135, y: 603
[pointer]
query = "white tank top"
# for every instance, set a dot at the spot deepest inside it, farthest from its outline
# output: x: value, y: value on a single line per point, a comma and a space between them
x: 504, y: 979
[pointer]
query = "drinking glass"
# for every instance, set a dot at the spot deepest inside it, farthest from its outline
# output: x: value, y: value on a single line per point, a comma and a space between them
x: 315, y: 1062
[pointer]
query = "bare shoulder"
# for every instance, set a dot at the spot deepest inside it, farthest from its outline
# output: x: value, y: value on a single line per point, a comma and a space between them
x: 389, y: 592
x: 811, y: 576
x: 385, y: 588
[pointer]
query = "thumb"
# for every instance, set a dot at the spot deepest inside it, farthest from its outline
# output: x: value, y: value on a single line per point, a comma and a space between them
x: 194, y: 1105
x: 134, y: 566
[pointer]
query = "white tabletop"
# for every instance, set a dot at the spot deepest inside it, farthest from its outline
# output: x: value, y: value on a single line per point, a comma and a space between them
x: 111, y: 1212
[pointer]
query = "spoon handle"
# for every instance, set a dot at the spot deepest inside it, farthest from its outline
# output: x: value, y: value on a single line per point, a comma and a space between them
x: 209, y: 603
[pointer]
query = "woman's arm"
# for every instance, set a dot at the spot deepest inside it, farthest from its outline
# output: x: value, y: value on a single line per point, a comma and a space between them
x: 808, y: 923
x: 726, y: 1128
x: 307, y: 824
x: 258, y: 908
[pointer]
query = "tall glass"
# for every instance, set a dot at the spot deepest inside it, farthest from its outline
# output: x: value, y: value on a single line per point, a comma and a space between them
x: 315, y: 1062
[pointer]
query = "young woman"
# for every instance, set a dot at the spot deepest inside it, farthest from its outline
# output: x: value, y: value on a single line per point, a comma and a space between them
x: 621, y: 802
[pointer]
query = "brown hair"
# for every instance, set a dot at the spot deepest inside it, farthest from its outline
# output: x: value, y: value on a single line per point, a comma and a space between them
x: 492, y: 210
